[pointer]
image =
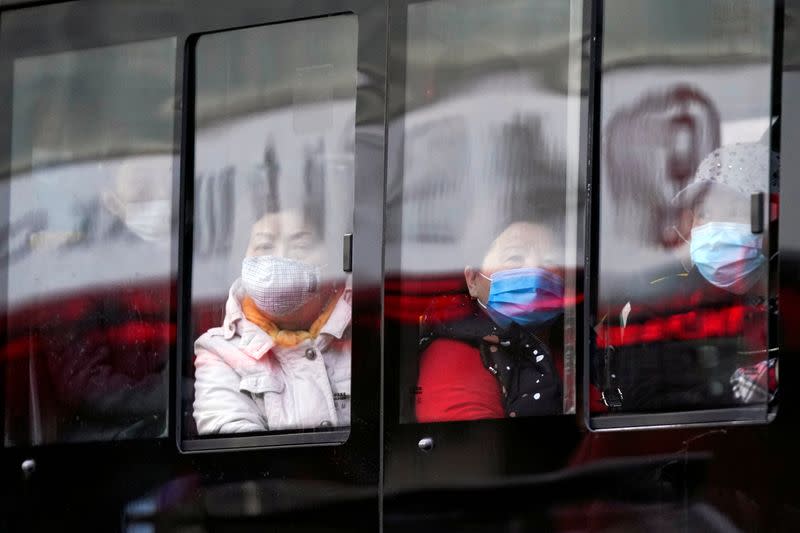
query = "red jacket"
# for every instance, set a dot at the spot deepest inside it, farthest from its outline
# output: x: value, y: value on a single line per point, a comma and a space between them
x: 454, y: 385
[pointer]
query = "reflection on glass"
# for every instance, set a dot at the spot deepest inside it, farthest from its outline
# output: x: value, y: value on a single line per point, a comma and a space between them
x: 482, y: 211
x: 273, y: 201
x: 682, y: 303
x: 89, y: 242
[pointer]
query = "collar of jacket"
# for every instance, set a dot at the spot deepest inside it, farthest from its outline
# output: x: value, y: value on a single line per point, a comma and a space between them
x: 258, y: 341
x: 475, y: 325
x: 470, y: 328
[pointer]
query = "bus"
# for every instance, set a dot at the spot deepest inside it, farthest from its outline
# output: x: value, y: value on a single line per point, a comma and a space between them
x: 435, y: 265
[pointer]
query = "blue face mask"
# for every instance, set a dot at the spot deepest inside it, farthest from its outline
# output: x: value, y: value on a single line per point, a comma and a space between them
x: 530, y: 297
x: 728, y: 255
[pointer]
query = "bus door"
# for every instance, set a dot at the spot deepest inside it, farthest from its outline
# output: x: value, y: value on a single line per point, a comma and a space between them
x: 484, y: 243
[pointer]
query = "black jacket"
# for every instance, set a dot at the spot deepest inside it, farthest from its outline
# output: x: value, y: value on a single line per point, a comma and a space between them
x: 665, y: 369
x: 521, y: 360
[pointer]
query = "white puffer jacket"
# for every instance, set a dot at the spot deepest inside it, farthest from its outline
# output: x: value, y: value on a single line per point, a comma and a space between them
x: 244, y: 382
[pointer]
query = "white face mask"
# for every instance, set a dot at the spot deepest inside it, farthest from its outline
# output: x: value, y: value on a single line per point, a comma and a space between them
x: 150, y: 220
x: 279, y: 286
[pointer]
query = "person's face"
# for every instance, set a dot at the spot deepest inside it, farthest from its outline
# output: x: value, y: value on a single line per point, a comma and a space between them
x: 289, y: 235
x: 521, y: 245
x: 722, y: 205
x: 141, y: 197
x: 717, y: 204
x: 143, y: 183
x: 286, y: 234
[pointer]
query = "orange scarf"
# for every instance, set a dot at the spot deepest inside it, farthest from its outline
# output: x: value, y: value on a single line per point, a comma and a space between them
x: 283, y: 337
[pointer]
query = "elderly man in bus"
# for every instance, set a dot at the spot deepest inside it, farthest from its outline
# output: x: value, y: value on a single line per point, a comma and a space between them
x: 504, y: 355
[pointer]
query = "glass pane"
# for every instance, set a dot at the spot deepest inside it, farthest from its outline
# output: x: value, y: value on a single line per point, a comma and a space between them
x: 273, y: 200
x: 90, y: 230
x: 482, y: 221
x: 681, y: 320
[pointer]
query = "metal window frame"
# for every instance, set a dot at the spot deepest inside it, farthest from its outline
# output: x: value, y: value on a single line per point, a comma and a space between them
x: 745, y: 415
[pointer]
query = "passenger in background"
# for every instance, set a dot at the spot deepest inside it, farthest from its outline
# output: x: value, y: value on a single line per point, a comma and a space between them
x: 717, y: 210
x: 105, y: 356
x: 281, y: 359
x: 730, y: 257
x: 504, y: 356
x: 141, y: 201
x: 711, y: 318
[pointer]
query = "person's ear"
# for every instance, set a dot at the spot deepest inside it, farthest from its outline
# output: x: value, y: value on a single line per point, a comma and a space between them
x: 112, y: 203
x: 471, y: 276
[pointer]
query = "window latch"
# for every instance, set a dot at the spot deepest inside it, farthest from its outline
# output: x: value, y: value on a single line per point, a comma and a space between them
x: 347, y: 252
x: 757, y: 212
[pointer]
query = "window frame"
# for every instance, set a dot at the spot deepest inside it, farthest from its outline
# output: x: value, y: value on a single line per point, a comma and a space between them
x: 55, y: 27
x: 48, y: 40
x: 721, y: 417
x: 363, y: 266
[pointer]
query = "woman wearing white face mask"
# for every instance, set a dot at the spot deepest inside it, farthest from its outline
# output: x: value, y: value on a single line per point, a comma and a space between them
x: 281, y: 359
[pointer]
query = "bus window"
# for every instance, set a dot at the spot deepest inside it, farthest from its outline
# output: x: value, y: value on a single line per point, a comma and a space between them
x: 88, y: 250
x: 273, y: 200
x: 482, y: 212
x: 680, y: 330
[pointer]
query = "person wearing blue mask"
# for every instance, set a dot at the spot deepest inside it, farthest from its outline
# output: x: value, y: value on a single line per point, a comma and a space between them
x: 281, y: 359
x: 732, y: 258
x: 502, y: 355
x: 519, y: 280
x: 717, y: 208
x: 719, y: 298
